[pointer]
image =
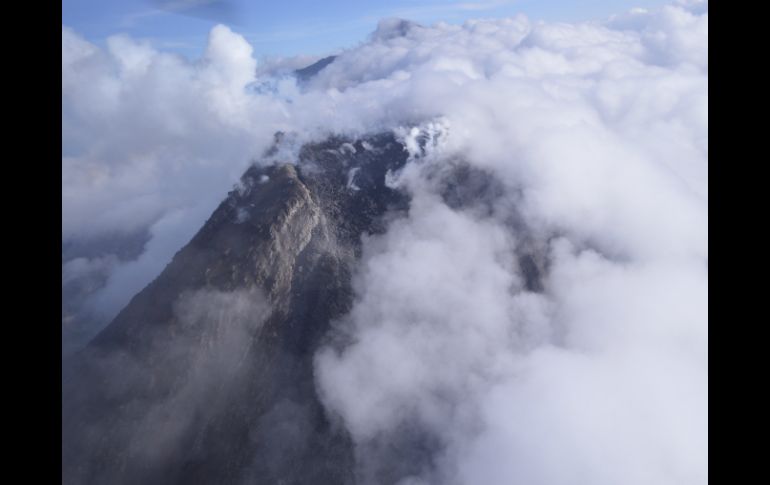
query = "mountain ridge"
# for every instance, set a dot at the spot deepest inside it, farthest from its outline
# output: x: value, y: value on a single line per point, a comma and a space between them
x: 207, y: 375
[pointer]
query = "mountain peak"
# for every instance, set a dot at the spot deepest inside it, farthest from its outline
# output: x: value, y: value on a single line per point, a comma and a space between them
x: 393, y: 27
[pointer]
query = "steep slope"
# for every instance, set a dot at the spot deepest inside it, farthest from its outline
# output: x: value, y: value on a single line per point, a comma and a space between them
x: 206, y: 376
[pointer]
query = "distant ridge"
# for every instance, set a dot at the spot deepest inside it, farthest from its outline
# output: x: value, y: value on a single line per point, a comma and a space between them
x: 308, y: 72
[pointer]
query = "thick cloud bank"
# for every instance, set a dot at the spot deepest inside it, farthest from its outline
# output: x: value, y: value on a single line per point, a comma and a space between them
x: 598, y: 134
x: 602, y: 130
x: 151, y: 143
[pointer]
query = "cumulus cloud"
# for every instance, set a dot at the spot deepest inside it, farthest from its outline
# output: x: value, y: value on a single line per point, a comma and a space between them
x: 602, y: 377
x: 457, y: 373
x: 151, y: 142
x: 143, y: 130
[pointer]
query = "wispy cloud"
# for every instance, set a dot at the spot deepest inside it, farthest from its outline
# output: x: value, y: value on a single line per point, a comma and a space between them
x: 420, y: 12
x: 216, y: 10
x: 185, y: 5
x: 320, y: 28
x: 133, y: 19
x: 307, y: 30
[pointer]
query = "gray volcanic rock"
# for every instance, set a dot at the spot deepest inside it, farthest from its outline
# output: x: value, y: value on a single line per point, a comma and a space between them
x: 207, y: 376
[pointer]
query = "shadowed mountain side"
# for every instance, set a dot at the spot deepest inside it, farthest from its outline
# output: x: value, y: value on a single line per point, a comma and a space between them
x: 207, y: 375
x: 306, y: 73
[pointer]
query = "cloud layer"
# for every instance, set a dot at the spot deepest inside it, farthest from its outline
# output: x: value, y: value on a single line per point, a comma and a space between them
x: 598, y: 133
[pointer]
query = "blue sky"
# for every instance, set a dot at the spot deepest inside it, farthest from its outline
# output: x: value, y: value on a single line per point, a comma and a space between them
x: 294, y: 27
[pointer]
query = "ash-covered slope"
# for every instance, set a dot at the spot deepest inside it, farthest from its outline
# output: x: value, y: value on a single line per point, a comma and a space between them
x: 207, y: 375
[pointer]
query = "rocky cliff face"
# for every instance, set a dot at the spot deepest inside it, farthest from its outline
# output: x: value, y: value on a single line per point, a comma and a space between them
x: 207, y: 375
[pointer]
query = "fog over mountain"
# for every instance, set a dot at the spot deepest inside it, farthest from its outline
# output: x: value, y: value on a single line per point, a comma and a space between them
x: 451, y: 254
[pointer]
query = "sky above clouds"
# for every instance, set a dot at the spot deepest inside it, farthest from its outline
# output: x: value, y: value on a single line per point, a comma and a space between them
x: 600, y: 128
x: 306, y: 27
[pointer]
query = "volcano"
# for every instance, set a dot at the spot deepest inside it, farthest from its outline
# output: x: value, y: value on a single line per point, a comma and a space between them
x: 206, y: 376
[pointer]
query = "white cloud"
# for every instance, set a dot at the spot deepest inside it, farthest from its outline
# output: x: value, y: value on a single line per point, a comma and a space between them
x: 142, y: 130
x: 603, y: 378
x: 149, y: 137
